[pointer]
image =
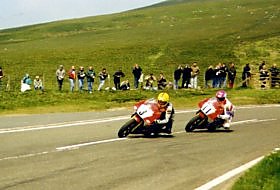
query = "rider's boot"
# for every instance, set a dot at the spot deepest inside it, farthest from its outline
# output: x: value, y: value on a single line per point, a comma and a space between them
x: 226, y: 125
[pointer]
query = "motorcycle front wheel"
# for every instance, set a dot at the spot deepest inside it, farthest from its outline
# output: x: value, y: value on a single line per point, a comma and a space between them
x: 194, y: 123
x: 126, y: 129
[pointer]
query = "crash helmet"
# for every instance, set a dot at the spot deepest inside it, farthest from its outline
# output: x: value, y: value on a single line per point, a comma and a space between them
x: 163, y: 99
x: 221, y: 95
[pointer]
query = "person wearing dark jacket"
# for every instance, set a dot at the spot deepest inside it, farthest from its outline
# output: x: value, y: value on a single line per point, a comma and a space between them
x: 90, y: 78
x: 177, y: 76
x: 137, y: 72
x: 274, y: 73
x: 246, y: 75
x: 231, y: 75
x: 186, y: 76
x: 117, y: 78
x: 209, y: 74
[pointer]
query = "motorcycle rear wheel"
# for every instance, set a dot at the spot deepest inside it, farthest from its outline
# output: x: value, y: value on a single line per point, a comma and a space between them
x: 126, y: 129
x: 194, y: 123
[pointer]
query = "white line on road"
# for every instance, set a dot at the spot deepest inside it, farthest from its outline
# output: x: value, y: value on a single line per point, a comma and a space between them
x: 77, y: 123
x: 229, y: 175
x: 77, y: 146
x: 95, y: 121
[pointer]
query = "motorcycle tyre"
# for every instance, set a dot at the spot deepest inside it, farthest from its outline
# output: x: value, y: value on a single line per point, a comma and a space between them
x: 194, y: 123
x: 125, y: 130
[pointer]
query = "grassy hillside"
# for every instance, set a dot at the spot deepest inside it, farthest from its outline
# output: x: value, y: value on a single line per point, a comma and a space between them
x: 158, y: 38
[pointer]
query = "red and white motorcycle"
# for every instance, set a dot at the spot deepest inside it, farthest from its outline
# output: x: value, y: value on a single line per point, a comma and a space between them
x: 211, y: 116
x: 142, y: 120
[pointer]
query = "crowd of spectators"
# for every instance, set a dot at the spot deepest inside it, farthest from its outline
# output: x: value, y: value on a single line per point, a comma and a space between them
x: 220, y: 76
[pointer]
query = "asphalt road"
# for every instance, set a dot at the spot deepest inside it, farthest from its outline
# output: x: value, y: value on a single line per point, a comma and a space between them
x: 82, y: 151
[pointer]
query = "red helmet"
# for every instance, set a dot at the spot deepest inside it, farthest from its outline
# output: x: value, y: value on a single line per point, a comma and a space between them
x: 221, y: 95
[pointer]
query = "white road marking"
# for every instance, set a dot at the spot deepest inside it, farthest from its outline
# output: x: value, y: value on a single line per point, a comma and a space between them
x: 62, y: 125
x: 77, y: 146
x: 229, y: 174
x: 95, y: 121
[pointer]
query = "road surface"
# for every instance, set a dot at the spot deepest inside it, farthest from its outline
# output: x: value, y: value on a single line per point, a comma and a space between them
x: 82, y: 151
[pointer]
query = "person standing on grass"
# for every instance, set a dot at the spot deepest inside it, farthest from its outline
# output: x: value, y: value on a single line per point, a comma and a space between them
x: 209, y: 74
x: 90, y: 78
x: 186, y: 77
x: 246, y: 75
x: 117, y: 78
x: 103, y: 75
x: 81, y: 78
x: 177, y: 77
x: 60, y: 74
x: 231, y: 75
x: 274, y: 73
x: 72, y: 78
x: 1, y: 77
x: 195, y: 73
x: 137, y: 72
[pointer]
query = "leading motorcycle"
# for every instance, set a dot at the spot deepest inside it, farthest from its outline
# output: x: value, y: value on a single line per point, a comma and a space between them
x: 209, y: 116
x: 142, y: 120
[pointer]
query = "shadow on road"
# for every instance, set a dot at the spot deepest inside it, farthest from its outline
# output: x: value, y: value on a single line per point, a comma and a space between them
x: 152, y: 136
x: 216, y: 131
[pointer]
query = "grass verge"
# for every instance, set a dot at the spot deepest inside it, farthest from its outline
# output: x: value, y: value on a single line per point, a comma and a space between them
x: 265, y: 175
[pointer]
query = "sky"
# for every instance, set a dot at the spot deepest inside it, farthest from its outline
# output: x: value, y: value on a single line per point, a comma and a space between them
x: 15, y: 13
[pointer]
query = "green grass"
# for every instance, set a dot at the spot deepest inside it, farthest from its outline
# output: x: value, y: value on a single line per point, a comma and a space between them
x: 158, y: 38
x: 53, y: 101
x: 264, y: 176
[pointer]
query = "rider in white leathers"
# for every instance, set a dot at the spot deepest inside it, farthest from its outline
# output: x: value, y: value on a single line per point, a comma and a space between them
x: 228, y: 108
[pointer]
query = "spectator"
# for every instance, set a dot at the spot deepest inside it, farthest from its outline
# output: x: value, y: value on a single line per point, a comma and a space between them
x: 161, y: 82
x: 186, y: 76
x: 264, y: 75
x: 117, y: 78
x: 1, y: 77
x: 72, y: 78
x: 195, y: 73
x: 38, y: 84
x: 150, y: 80
x: 209, y: 74
x: 90, y: 78
x: 231, y: 75
x: 137, y: 72
x: 103, y: 75
x: 274, y: 73
x: 177, y: 77
x: 25, y: 83
x: 125, y: 85
x: 60, y: 74
x: 246, y: 75
x: 81, y: 78
x: 223, y: 76
x: 216, y: 77
x: 261, y: 65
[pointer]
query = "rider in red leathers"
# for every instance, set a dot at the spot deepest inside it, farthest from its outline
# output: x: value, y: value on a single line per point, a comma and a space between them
x: 165, y: 121
x: 227, y: 110
x: 167, y: 113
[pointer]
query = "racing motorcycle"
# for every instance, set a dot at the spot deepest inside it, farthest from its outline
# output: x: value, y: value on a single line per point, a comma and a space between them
x: 208, y: 116
x: 142, y: 120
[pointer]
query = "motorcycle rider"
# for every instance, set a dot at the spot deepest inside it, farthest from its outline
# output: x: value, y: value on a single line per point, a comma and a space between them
x: 228, y: 111
x: 165, y: 121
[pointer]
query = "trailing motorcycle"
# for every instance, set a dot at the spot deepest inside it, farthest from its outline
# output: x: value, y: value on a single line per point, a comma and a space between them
x: 142, y: 120
x: 209, y: 116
